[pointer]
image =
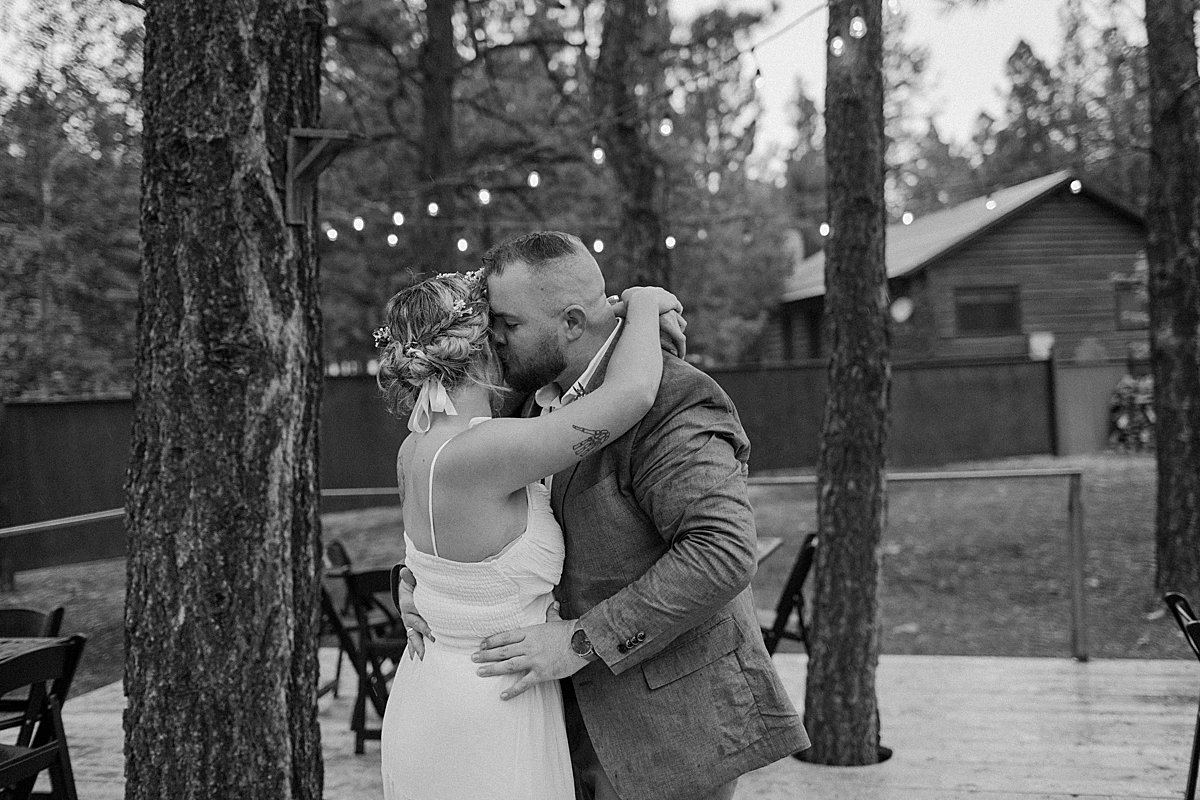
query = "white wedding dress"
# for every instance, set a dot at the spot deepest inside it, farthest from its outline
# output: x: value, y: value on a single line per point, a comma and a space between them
x: 447, y: 735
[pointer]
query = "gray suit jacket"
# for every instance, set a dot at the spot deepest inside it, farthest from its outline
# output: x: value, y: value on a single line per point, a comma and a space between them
x: 661, y: 548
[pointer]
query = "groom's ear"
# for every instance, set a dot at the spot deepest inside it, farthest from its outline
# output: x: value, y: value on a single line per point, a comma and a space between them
x: 575, y: 319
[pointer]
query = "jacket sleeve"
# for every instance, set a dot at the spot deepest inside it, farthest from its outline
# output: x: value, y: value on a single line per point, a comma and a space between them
x: 688, y: 471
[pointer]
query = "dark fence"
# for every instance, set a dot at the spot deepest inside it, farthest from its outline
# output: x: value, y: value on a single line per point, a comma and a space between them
x: 59, y: 459
x: 941, y: 411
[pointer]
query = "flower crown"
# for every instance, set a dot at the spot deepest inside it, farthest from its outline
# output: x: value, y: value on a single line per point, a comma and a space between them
x: 458, y: 312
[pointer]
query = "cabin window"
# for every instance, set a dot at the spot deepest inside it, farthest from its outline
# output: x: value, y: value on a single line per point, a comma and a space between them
x: 988, y: 311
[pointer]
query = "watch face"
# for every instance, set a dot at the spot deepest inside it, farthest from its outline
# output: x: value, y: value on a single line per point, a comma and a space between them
x: 580, y: 643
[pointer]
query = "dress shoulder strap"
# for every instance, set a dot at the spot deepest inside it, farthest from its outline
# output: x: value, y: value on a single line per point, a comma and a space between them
x: 432, y: 464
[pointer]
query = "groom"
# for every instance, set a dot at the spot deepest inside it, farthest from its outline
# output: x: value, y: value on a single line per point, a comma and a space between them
x: 672, y: 694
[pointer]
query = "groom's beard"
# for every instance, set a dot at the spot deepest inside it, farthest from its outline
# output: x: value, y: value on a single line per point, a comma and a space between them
x: 528, y: 374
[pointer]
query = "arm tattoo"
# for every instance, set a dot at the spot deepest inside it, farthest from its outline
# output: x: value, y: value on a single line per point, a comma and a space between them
x: 594, y: 441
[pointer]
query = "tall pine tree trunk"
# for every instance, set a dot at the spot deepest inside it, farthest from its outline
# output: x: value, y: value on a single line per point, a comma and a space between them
x: 224, y: 540
x: 840, y: 710
x: 641, y: 251
x: 434, y: 251
x: 1173, y: 217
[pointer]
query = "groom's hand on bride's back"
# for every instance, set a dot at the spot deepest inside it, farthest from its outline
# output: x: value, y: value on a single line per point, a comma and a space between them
x: 538, y: 653
x: 415, y: 626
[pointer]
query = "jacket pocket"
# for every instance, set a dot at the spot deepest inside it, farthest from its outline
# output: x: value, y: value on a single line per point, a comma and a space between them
x: 684, y: 659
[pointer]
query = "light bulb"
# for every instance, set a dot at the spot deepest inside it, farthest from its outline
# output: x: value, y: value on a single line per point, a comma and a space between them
x: 598, y: 246
x: 534, y: 179
x: 393, y: 240
x: 666, y: 126
x: 858, y: 27
x: 358, y: 223
x: 462, y: 245
x: 670, y: 242
x: 1076, y: 187
x: 907, y: 218
x: 433, y: 209
x: 485, y: 197
x: 990, y: 205
x: 837, y: 46
x: 824, y: 229
x: 332, y: 234
x: 397, y: 218
x: 702, y: 234
x: 598, y: 155
x: 893, y: 7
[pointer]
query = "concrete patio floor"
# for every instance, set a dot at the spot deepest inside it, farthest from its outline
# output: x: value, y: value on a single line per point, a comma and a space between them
x: 961, y: 727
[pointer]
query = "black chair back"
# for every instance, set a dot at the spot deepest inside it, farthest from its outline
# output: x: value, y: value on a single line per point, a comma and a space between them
x: 46, y: 672
x: 22, y: 622
x: 1186, y: 618
x: 791, y: 600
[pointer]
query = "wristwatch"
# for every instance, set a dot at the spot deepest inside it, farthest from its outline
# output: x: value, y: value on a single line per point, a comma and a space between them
x: 581, y: 645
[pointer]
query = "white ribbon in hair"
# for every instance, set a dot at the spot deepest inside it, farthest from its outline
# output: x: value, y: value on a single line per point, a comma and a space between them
x: 433, y: 397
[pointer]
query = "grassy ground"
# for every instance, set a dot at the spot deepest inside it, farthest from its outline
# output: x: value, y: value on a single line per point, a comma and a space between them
x: 970, y: 568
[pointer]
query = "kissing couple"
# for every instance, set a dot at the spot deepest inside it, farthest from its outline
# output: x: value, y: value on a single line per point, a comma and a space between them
x: 577, y: 592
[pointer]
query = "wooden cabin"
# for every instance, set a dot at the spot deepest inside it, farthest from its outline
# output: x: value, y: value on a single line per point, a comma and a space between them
x: 1050, y: 263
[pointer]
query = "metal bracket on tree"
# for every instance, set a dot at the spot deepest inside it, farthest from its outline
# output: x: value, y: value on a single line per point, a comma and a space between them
x: 309, y: 152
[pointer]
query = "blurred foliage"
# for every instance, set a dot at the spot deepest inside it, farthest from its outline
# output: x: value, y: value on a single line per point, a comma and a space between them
x: 69, y: 172
x: 522, y: 83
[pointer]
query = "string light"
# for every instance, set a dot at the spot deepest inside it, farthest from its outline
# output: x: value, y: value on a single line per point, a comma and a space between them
x: 598, y: 246
x: 485, y: 197
x: 824, y: 229
x: 1076, y: 186
x: 702, y: 234
x: 837, y: 46
x: 462, y: 245
x: 670, y: 242
x: 332, y: 234
x: 393, y: 240
x: 907, y: 218
x: 534, y: 179
x: 858, y: 27
x: 397, y: 219
x: 358, y: 223
x: 433, y: 209
x: 666, y: 126
x: 597, y: 156
x: 990, y: 205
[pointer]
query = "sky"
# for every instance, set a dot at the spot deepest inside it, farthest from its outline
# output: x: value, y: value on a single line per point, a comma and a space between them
x: 968, y: 47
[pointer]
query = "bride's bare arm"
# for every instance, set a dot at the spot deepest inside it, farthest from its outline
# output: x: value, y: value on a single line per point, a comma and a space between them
x: 510, y: 453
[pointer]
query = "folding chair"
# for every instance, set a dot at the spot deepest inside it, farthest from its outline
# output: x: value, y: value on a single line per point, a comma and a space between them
x: 1190, y: 625
x: 381, y: 646
x: 337, y: 564
x: 42, y: 743
x: 791, y: 600
x: 24, y: 622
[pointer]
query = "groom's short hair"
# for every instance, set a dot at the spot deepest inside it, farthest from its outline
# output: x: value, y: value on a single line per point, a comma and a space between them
x: 535, y: 249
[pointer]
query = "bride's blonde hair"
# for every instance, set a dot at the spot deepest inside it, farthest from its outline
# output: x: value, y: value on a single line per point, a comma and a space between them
x: 437, y: 328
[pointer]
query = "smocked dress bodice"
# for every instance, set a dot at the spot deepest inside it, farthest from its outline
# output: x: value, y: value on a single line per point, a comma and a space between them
x: 463, y: 602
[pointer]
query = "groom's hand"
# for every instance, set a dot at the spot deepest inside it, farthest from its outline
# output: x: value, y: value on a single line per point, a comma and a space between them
x: 538, y: 653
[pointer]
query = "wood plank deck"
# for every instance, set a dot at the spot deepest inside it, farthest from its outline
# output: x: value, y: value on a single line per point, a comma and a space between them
x: 961, y: 727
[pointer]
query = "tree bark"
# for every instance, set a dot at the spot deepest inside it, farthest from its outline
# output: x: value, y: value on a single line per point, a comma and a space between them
x: 1173, y: 218
x: 221, y: 496
x: 641, y: 253
x: 438, y: 65
x: 840, y: 710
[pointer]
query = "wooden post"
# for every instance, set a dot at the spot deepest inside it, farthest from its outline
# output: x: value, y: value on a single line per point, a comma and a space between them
x: 1078, y: 559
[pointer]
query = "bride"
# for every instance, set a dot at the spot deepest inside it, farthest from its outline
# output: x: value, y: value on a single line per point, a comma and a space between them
x: 480, y: 537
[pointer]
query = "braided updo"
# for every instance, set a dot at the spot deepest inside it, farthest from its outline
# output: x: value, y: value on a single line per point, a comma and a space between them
x: 437, y: 328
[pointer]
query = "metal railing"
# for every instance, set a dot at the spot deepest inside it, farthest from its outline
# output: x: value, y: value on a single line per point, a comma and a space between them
x: 1076, y: 544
